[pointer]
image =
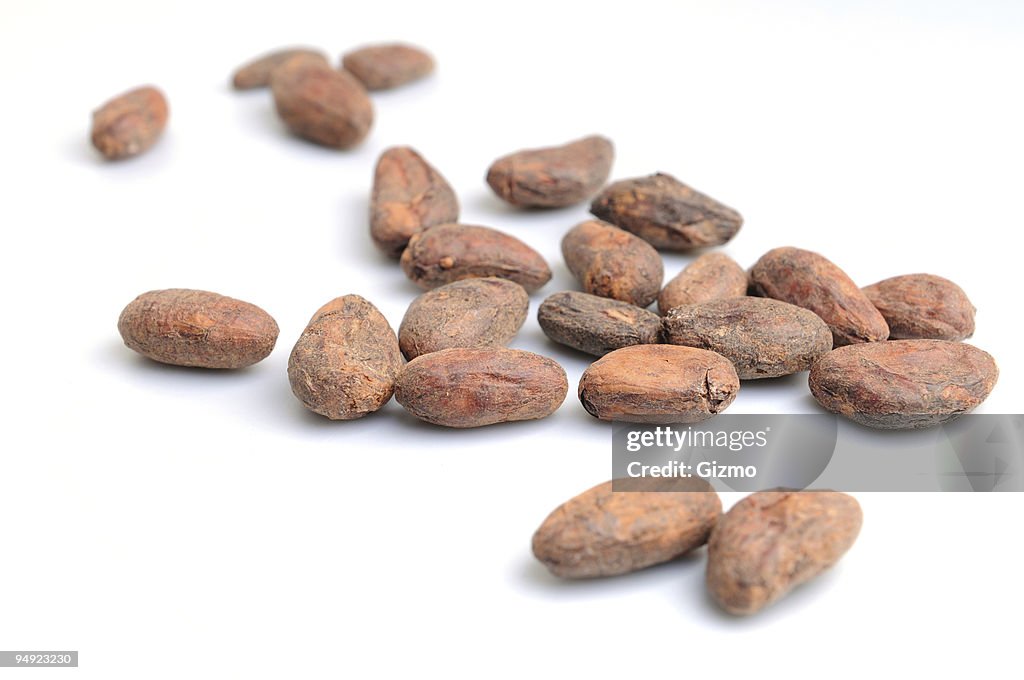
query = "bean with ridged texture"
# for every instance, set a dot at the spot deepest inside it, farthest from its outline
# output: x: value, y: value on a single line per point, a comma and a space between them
x: 197, y: 328
x: 773, y: 541
x: 658, y: 384
x: 603, y: 532
x: 465, y: 388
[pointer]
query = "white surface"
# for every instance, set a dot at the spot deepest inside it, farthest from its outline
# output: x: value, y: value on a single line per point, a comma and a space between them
x: 175, y: 523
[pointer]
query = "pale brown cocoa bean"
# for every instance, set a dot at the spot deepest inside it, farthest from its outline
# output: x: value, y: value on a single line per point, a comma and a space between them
x: 130, y: 123
x: 452, y: 252
x: 470, y: 313
x: 602, y: 532
x: 596, y: 325
x: 808, y: 280
x: 482, y: 386
x: 613, y: 263
x: 658, y: 384
x: 382, y: 67
x: 256, y: 73
x: 923, y: 306
x: 903, y: 384
x: 712, y: 276
x: 773, y: 541
x: 553, y: 177
x: 666, y: 213
x: 409, y: 195
x: 763, y: 338
x: 320, y: 104
x: 197, y: 328
x: 344, y: 364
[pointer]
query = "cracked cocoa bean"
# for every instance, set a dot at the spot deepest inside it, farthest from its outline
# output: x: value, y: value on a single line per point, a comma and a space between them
x: 903, y: 384
x: 773, y: 541
x: 482, y: 386
x: 658, y: 384
x: 130, y: 123
x: 382, y: 67
x: 602, y: 532
x: 923, y: 306
x: 452, y: 252
x: 763, y: 338
x: 470, y: 313
x: 613, y: 263
x: 320, y: 104
x: 256, y: 73
x: 344, y: 364
x: 712, y: 276
x: 409, y: 195
x: 553, y: 177
x: 666, y: 213
x: 197, y: 328
x: 596, y: 325
x: 808, y: 280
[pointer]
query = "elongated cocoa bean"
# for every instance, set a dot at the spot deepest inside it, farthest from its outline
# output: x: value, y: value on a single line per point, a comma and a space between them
x: 596, y: 325
x: 658, y: 384
x: 409, y: 195
x: 763, y: 338
x: 482, y: 386
x: 903, y: 384
x: 602, y: 532
x: 452, y: 252
x: 666, y: 213
x: 773, y: 541
x: 808, y: 280
x: 552, y: 177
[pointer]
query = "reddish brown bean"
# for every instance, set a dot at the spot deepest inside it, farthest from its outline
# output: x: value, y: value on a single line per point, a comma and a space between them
x: 923, y: 306
x: 808, y: 280
x: 320, y: 104
x: 197, y: 328
x: 712, y: 276
x: 482, y: 386
x: 130, y: 123
x: 602, y: 532
x: 613, y: 263
x: 553, y: 177
x: 658, y: 384
x: 452, y: 252
x: 409, y: 195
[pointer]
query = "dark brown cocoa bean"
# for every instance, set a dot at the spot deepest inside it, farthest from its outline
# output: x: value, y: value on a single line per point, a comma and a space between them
x: 763, y: 338
x: 613, y: 263
x: 602, y: 532
x: 666, y: 213
x: 903, y: 384
x: 482, y: 386
x: 553, y: 177
x: 130, y: 123
x: 408, y: 195
x: 345, y: 363
x: 470, y: 313
x: 320, y: 104
x: 596, y: 325
x: 712, y: 276
x: 808, y: 280
x: 197, y: 328
x: 382, y: 67
x: 452, y: 252
x: 773, y: 541
x: 658, y: 384
x: 256, y: 73
x: 923, y: 306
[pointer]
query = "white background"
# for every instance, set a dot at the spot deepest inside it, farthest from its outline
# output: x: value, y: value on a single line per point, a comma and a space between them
x: 177, y: 523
